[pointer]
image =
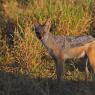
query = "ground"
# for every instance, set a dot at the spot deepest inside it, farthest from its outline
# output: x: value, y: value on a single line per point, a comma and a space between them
x: 18, y: 84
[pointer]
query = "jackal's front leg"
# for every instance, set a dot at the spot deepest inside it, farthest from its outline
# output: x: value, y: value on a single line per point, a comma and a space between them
x: 59, y: 69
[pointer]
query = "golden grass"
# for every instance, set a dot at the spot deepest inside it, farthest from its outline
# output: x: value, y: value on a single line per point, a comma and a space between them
x: 69, y: 17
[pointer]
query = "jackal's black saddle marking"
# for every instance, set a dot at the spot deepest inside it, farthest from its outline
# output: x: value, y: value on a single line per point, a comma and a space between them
x: 73, y: 41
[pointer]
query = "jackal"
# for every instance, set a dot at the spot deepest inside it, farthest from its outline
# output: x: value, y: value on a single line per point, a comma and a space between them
x: 63, y: 47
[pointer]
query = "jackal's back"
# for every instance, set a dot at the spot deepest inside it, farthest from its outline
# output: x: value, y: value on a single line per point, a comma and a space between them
x: 75, y: 41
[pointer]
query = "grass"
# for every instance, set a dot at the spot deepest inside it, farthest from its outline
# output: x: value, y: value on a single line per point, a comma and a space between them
x: 68, y: 18
x: 29, y: 58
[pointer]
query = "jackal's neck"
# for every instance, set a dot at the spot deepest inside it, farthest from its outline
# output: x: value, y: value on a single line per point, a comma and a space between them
x: 45, y: 36
x: 49, y: 41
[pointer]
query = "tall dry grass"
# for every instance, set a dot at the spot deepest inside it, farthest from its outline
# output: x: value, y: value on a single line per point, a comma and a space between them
x: 69, y: 17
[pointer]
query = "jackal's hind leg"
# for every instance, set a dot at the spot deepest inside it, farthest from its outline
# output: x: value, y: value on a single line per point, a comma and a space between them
x: 86, y: 70
x: 91, y: 56
x: 85, y: 66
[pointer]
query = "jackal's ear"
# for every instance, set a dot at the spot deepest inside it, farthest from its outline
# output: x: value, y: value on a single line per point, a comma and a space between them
x: 47, y: 25
x: 35, y: 22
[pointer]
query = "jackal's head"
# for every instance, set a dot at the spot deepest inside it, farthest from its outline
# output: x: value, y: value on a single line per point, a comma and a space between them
x: 41, y: 30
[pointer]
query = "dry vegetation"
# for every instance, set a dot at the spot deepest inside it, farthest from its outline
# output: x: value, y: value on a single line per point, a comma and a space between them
x: 26, y: 68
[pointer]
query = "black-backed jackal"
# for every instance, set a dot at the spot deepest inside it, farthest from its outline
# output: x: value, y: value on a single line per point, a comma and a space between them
x: 62, y: 47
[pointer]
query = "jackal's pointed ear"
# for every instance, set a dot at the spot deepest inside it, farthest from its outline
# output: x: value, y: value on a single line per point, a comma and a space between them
x: 35, y: 22
x: 47, y: 25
